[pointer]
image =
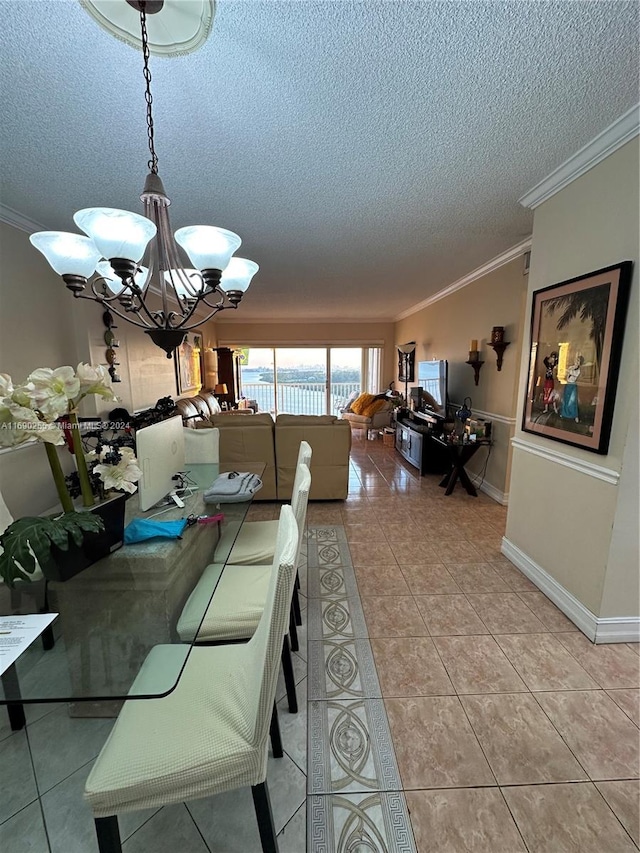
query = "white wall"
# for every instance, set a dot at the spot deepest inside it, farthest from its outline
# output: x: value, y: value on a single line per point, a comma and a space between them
x: 567, y: 519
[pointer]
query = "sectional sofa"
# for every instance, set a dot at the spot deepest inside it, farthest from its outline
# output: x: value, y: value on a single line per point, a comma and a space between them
x: 246, y: 437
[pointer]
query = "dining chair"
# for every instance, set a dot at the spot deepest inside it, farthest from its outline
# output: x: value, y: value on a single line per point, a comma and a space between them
x: 201, y: 445
x: 234, y: 612
x: 210, y: 733
x: 255, y: 543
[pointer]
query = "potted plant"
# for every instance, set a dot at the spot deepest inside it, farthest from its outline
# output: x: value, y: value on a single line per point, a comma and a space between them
x: 66, y: 543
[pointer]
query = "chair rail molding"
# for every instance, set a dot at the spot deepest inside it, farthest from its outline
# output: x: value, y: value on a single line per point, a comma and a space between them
x: 613, y: 137
x: 607, y: 475
x: 618, y: 629
x: 494, y: 264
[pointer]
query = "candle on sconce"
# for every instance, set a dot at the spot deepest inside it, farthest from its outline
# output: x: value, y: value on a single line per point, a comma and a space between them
x: 473, y: 347
x: 497, y: 335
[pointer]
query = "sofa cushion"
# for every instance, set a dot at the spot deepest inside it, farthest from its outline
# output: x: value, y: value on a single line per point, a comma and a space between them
x: 226, y: 418
x: 305, y: 420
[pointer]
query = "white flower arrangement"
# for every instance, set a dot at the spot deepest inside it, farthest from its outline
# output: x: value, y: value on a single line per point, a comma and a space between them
x: 31, y: 411
x: 117, y: 467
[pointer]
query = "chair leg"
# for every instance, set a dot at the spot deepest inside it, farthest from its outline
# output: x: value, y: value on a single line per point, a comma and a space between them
x: 289, y: 678
x: 297, y: 583
x: 293, y: 631
x: 274, y: 732
x: 264, y: 816
x: 295, y: 601
x: 108, y: 834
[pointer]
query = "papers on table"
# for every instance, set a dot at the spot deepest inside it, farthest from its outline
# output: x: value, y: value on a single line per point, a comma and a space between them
x: 17, y: 633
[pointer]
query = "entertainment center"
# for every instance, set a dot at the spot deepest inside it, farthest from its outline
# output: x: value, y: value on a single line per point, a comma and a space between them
x: 415, y: 441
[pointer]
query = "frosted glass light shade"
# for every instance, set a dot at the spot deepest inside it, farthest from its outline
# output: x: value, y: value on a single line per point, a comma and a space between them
x: 237, y: 274
x: 114, y: 282
x: 68, y: 254
x: 116, y: 233
x: 176, y: 279
x: 209, y: 248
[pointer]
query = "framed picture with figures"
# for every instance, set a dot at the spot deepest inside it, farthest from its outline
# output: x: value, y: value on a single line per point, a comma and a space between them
x: 577, y: 330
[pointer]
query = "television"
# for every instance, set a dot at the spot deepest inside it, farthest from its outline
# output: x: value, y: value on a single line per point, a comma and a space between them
x: 432, y: 378
x: 160, y: 452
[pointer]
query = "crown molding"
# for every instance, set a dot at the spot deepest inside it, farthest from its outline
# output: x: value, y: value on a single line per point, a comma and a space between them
x: 494, y: 264
x: 613, y: 137
x: 13, y: 217
x: 317, y: 321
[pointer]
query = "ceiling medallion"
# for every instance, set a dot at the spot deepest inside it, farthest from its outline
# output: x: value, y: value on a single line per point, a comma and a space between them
x: 183, y: 26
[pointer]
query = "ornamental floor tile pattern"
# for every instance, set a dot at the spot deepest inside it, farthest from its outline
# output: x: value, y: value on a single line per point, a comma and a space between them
x: 446, y: 705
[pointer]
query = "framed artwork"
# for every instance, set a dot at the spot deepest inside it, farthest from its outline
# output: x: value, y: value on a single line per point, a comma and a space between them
x: 577, y: 328
x: 407, y: 360
x: 188, y: 363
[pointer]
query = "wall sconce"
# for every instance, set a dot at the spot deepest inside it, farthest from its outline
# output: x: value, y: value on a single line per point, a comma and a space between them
x: 474, y: 359
x: 498, y: 343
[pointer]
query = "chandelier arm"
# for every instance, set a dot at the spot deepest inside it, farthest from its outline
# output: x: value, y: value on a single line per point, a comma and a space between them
x: 142, y: 306
x: 115, y: 310
x: 219, y: 306
x: 205, y: 319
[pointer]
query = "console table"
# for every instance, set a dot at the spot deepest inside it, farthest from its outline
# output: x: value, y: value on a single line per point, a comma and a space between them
x: 459, y: 454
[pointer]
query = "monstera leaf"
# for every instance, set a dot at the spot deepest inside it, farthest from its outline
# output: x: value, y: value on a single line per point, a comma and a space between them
x: 28, y: 541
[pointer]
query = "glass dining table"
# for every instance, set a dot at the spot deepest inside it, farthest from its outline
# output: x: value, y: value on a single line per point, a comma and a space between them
x: 111, y: 615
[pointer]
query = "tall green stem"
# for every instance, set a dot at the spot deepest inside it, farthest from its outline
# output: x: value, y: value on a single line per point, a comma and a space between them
x: 81, y: 463
x: 58, y: 477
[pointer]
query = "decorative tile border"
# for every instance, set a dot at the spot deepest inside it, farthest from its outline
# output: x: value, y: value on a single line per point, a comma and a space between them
x: 349, y: 748
x: 355, y: 797
x: 342, y: 669
x: 375, y: 823
x: 336, y: 619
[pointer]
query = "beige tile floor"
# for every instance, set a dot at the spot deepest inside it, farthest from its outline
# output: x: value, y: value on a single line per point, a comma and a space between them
x: 512, y: 731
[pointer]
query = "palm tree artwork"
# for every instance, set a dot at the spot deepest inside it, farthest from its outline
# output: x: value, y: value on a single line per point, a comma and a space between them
x: 590, y: 305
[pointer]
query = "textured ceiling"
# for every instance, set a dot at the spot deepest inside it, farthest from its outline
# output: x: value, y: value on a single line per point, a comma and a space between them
x: 368, y: 153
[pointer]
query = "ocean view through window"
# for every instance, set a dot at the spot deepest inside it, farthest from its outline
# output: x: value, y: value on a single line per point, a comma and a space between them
x: 303, y: 380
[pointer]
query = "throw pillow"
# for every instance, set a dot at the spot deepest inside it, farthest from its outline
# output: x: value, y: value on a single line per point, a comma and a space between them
x: 373, y: 407
x: 361, y: 403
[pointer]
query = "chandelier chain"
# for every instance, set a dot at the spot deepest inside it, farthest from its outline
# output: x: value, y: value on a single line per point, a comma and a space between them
x: 153, y: 162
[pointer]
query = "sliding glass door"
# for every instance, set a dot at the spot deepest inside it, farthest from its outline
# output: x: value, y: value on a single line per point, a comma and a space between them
x: 307, y: 380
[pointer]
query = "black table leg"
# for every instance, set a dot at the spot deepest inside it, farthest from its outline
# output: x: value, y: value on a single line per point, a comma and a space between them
x: 466, y: 482
x: 15, y: 710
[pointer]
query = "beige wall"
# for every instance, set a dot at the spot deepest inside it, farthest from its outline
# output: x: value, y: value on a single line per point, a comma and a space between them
x: 42, y: 325
x: 312, y: 334
x: 580, y: 529
x: 445, y: 329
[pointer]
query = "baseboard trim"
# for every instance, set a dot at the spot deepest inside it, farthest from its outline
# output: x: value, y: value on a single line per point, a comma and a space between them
x: 623, y: 629
x: 495, y: 493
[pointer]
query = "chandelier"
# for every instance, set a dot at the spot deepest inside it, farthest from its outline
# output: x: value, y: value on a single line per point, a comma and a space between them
x: 105, y: 266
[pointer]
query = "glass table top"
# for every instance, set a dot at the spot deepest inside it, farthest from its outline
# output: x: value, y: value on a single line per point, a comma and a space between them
x: 113, y: 613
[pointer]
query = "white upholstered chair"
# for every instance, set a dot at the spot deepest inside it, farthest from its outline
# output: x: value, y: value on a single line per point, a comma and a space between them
x: 201, y: 445
x: 210, y: 734
x: 255, y: 543
x: 236, y: 608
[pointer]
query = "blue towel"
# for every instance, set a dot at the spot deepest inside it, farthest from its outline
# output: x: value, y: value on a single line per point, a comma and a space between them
x: 141, y: 529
